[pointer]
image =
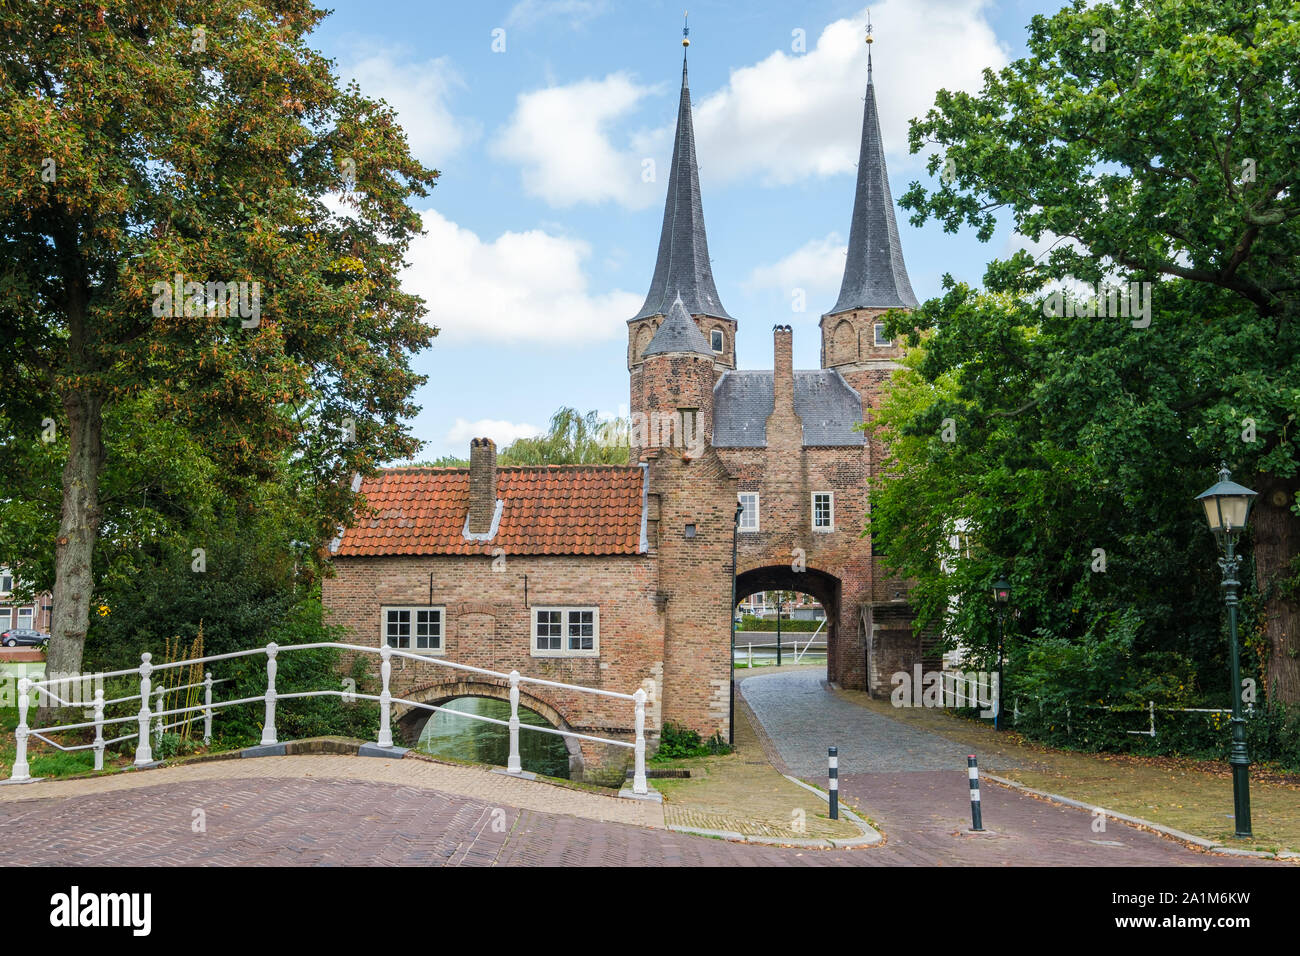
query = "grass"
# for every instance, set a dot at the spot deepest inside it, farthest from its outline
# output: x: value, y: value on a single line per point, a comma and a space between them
x: 1194, y: 796
x: 44, y: 760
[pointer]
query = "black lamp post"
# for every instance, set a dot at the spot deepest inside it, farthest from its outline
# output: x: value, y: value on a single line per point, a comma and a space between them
x: 1227, y: 506
x: 1001, y: 597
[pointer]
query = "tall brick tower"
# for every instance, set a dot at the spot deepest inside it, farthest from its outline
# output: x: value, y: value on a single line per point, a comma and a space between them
x: 853, y: 344
x: 875, y: 278
x: 682, y: 268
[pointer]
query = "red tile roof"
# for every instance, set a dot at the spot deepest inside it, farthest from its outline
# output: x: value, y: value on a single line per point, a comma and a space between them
x: 551, y: 509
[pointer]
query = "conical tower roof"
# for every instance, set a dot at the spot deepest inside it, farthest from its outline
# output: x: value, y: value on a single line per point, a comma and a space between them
x: 682, y: 268
x: 875, y: 276
x: 678, y: 333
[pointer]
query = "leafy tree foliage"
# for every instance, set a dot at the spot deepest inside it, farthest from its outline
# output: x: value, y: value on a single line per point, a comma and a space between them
x: 1153, y: 140
x: 148, y: 140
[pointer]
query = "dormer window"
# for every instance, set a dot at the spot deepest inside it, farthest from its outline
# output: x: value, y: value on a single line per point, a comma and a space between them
x: 717, y: 342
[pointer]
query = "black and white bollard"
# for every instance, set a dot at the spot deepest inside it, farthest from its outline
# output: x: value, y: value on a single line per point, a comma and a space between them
x: 833, y: 754
x: 973, y: 771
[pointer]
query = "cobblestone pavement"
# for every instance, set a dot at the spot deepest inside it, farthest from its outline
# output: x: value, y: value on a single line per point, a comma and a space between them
x: 802, y: 718
x: 913, y: 785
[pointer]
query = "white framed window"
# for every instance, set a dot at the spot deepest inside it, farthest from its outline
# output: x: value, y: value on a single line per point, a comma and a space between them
x: 717, y: 341
x: 6, y: 618
x: 25, y: 617
x: 748, y: 517
x: 414, y: 629
x: 880, y: 340
x: 6, y: 582
x: 823, y: 511
x: 566, y: 632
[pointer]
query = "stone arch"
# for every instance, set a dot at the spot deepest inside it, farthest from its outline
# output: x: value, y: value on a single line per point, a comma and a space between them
x: 844, y: 343
x: 410, y: 721
x: 641, y: 339
x: 822, y: 585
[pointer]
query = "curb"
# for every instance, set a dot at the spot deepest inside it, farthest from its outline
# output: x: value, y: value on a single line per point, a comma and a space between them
x: 869, y: 835
x: 1210, y: 846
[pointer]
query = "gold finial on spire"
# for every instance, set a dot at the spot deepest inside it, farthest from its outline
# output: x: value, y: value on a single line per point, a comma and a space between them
x: 869, y: 37
x: 686, y: 29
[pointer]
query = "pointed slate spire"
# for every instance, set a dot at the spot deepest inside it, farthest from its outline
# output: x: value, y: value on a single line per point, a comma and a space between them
x: 678, y: 333
x: 682, y: 268
x: 874, y: 275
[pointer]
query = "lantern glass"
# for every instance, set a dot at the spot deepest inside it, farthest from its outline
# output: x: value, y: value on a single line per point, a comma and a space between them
x: 1227, y: 505
x: 1002, y: 590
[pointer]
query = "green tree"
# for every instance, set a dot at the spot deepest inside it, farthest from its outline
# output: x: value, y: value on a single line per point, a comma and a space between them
x: 1157, y: 139
x: 572, y: 439
x: 146, y: 143
x: 1056, y: 450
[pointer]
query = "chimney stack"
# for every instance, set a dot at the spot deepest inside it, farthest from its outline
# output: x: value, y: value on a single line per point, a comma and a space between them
x: 482, y: 484
x: 783, y: 368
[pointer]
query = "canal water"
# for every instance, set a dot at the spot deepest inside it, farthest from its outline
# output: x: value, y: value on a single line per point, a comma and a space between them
x: 446, y: 735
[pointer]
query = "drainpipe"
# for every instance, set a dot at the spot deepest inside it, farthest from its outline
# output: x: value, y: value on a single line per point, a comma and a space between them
x: 731, y: 611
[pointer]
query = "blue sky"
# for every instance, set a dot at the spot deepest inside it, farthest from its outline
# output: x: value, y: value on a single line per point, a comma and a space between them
x: 551, y: 122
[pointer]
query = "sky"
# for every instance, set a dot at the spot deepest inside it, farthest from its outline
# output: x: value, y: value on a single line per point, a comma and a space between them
x: 551, y: 123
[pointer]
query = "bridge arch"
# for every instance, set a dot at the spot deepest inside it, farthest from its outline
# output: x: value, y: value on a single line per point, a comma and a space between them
x: 410, y: 721
x: 821, y: 585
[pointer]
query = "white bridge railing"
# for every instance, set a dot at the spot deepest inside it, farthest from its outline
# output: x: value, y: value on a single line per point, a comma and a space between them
x: 158, y: 714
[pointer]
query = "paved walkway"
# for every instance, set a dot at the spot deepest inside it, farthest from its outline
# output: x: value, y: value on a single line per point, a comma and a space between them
x: 913, y: 785
x: 343, y: 810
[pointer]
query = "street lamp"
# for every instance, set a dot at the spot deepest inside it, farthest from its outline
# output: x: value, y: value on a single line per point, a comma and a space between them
x: 1001, y: 597
x: 1227, y: 506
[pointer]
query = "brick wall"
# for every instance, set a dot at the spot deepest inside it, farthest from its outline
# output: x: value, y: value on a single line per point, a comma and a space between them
x: 695, y: 585
x: 487, y: 624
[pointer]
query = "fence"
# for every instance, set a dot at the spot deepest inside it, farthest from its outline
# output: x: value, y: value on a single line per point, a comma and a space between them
x: 156, y: 717
x: 1149, y: 710
x: 794, y: 643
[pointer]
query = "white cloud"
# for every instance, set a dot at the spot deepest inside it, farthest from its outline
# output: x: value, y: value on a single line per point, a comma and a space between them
x: 501, y: 432
x: 522, y: 287
x: 816, y: 267
x: 561, y: 138
x: 419, y: 92
x: 528, y: 12
x: 792, y: 116
x: 788, y: 117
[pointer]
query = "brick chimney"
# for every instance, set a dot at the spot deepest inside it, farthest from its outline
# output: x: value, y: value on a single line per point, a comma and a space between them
x: 482, y: 484
x: 783, y: 368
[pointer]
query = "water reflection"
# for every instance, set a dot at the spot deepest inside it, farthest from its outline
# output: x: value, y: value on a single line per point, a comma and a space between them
x: 446, y: 735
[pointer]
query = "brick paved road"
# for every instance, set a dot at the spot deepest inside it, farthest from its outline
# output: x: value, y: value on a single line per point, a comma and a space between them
x: 314, y: 821
x: 329, y: 810
x: 913, y: 784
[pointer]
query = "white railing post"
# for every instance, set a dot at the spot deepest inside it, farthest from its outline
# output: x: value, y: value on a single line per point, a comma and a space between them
x: 159, y: 707
x: 99, y: 728
x: 268, y: 728
x: 513, y: 764
x: 20, y: 770
x: 143, y: 754
x: 638, y: 774
x: 207, y: 708
x: 385, y: 738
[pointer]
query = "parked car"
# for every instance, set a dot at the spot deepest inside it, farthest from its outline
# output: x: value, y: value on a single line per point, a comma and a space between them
x: 25, y: 636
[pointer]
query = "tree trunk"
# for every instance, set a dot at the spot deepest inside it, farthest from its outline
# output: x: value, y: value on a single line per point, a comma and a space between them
x: 1277, y: 543
x: 78, y: 528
